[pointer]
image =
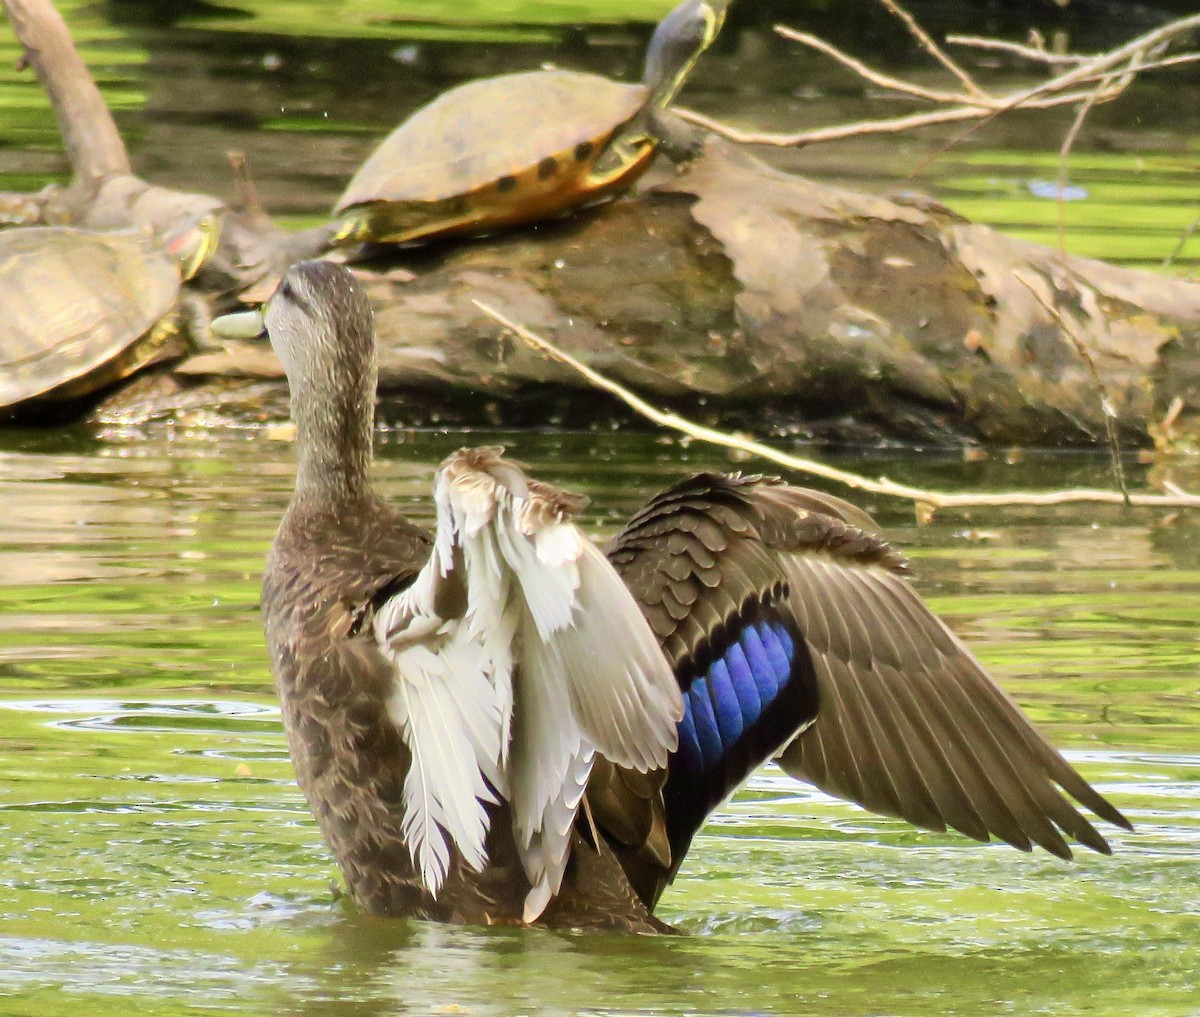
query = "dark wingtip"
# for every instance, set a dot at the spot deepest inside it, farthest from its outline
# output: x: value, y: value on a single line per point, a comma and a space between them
x: 1117, y: 819
x: 1060, y: 849
x: 1088, y: 796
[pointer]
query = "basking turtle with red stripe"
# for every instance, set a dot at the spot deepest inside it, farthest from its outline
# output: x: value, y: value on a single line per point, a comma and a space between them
x: 522, y: 147
x: 498, y: 723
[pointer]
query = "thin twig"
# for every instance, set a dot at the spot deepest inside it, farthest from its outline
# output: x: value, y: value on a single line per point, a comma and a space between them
x: 1107, y: 409
x: 1184, y: 237
x: 1107, y: 96
x: 1117, y: 66
x: 867, y: 73
x: 243, y: 183
x: 1140, y: 45
x: 1065, y: 150
x: 1035, y: 53
x: 933, y: 48
x: 924, y: 499
x: 890, y: 125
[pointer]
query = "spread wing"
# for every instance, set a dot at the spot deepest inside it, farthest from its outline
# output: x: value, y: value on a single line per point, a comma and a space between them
x: 517, y: 654
x: 793, y: 632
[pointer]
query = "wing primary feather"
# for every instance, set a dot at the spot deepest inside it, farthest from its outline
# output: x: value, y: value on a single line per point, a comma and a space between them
x: 1022, y: 798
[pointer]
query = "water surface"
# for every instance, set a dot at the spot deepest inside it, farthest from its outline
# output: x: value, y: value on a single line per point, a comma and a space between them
x: 160, y: 858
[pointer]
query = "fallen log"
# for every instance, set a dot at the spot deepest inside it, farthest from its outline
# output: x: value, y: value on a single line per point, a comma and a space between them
x: 767, y: 296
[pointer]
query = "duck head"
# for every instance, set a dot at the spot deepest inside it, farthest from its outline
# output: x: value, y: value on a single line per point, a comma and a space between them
x: 320, y: 325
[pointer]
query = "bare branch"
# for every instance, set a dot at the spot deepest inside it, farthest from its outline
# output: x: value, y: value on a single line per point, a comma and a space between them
x: 933, y: 48
x: 1035, y: 53
x: 1106, y: 96
x: 94, y: 146
x: 926, y: 501
x: 1142, y: 44
x: 1184, y: 237
x: 890, y: 125
x: 867, y: 73
x: 1085, y: 107
x: 1114, y: 70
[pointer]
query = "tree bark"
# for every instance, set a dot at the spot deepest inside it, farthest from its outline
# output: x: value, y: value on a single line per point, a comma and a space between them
x: 747, y: 294
x: 90, y: 136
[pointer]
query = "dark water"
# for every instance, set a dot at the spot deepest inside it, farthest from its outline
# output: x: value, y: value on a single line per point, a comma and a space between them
x: 158, y: 857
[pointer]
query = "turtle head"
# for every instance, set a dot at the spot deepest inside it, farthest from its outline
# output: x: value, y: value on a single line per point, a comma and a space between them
x: 192, y: 245
x: 677, y: 43
x: 187, y: 226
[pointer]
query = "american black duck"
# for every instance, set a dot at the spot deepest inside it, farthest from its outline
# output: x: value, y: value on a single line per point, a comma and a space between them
x: 490, y: 726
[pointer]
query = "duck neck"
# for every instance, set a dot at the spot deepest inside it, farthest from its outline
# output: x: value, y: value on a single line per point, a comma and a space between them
x: 333, y: 440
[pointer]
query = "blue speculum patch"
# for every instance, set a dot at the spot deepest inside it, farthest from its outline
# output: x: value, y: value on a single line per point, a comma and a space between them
x: 734, y: 693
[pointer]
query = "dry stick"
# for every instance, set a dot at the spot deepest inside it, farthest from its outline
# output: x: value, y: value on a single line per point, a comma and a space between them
x: 1028, y: 99
x: 1130, y: 50
x: 1107, y: 409
x: 1184, y: 237
x: 930, y: 500
x: 1106, y: 405
x: 1028, y: 52
x: 869, y: 73
x: 1065, y: 150
x: 891, y: 125
x: 983, y: 105
x: 1098, y: 67
x: 933, y: 48
x: 243, y: 184
x: 1123, y: 81
x: 94, y: 146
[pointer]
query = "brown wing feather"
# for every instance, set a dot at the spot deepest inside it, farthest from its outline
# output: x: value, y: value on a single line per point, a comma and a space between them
x: 908, y: 722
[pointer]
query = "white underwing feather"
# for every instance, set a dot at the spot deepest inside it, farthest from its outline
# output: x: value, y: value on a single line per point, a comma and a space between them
x: 446, y: 711
x: 548, y: 662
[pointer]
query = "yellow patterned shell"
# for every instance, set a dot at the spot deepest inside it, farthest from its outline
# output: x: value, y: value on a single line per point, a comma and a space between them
x: 498, y: 150
x: 76, y: 304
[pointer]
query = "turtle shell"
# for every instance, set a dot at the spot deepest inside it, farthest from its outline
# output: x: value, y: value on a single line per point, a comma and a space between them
x: 527, y: 139
x: 76, y: 305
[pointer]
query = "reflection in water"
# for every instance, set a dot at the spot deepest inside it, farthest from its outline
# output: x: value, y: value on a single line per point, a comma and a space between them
x: 164, y: 857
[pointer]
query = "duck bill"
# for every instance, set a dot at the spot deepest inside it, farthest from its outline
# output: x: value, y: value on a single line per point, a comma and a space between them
x: 243, y: 325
